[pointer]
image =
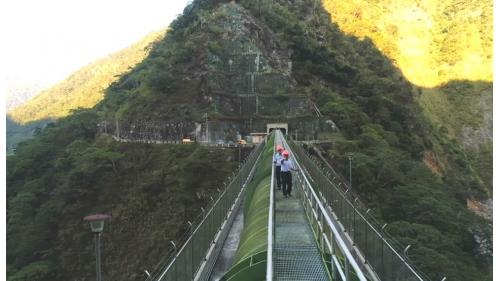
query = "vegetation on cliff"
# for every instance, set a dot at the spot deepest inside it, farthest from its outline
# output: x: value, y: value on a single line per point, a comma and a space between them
x: 445, y: 49
x: 82, y: 89
x: 414, y: 176
x: 85, y: 87
x: 69, y: 170
x: 433, y: 42
x: 382, y: 122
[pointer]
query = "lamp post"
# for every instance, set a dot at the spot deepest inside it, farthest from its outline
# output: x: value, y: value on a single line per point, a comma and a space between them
x: 206, y: 127
x: 97, y: 225
x: 350, y: 155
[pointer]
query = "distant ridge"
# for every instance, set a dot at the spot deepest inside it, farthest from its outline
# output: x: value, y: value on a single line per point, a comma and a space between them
x: 85, y: 87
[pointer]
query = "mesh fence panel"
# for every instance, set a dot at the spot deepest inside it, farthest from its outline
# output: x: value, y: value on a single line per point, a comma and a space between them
x: 185, y: 263
x: 383, y: 257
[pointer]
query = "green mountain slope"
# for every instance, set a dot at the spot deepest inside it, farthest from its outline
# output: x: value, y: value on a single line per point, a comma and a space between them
x: 68, y: 171
x: 445, y: 49
x: 82, y: 89
x: 71, y: 169
x: 85, y: 87
x: 384, y: 124
x: 432, y: 41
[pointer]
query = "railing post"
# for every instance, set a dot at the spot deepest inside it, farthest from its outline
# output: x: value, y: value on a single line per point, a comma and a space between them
x: 346, y: 270
x: 332, y: 257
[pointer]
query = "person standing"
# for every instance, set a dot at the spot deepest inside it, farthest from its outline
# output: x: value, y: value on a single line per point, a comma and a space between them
x: 277, y: 165
x: 287, y: 167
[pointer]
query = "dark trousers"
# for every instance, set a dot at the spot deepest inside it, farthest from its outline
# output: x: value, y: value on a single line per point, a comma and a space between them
x: 286, y: 182
x: 277, y: 172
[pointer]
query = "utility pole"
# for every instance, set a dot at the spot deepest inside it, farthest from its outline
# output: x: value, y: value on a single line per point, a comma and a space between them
x: 206, y: 127
x: 117, y: 129
x: 239, y: 156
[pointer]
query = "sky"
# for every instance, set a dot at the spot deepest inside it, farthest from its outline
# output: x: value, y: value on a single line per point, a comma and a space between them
x: 45, y: 41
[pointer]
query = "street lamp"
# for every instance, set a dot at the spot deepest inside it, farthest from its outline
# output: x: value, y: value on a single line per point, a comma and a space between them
x: 97, y: 225
x: 350, y: 155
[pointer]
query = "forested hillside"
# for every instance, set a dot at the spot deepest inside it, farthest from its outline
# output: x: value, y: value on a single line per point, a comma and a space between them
x: 445, y: 48
x: 82, y: 89
x: 432, y: 42
x: 396, y: 144
x: 69, y: 171
x: 408, y: 170
x: 85, y: 87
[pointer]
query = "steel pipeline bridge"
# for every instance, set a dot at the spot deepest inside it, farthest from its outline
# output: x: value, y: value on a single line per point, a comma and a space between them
x: 317, y: 234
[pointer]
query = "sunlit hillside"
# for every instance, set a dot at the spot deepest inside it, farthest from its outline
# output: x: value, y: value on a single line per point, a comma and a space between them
x: 432, y: 41
x: 85, y: 87
x: 443, y: 47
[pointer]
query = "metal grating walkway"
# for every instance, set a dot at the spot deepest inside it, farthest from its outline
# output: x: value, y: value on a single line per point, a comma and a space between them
x: 295, y: 255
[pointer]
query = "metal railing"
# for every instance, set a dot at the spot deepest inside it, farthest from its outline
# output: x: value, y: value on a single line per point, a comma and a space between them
x: 196, y: 258
x: 367, y: 237
x: 342, y: 183
x: 270, y: 224
x: 343, y: 264
x: 161, y: 141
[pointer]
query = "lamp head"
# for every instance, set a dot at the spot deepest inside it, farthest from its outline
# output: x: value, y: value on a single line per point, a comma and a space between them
x: 97, y: 222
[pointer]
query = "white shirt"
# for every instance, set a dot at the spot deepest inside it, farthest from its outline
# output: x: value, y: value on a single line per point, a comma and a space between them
x: 287, y: 165
x: 277, y: 159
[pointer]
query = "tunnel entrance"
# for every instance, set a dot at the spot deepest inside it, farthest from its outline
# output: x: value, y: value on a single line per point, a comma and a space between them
x: 283, y: 130
x: 283, y: 127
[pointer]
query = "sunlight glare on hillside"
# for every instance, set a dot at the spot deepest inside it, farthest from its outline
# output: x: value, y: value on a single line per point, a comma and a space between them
x: 431, y: 41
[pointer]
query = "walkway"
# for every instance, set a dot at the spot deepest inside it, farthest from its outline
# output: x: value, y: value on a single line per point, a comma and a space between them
x: 282, y: 244
x: 296, y: 256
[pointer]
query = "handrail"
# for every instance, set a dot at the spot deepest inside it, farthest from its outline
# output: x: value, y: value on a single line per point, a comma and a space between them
x: 338, y: 238
x: 270, y: 224
x: 412, y: 272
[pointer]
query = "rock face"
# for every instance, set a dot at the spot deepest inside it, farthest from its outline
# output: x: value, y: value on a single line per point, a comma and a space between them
x: 249, y: 70
x: 483, y: 209
x: 483, y: 236
x: 473, y: 138
x: 483, y: 233
x: 243, y: 81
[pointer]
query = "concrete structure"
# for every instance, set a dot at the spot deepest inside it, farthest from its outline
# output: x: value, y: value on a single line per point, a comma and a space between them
x: 258, y: 137
x: 281, y: 126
